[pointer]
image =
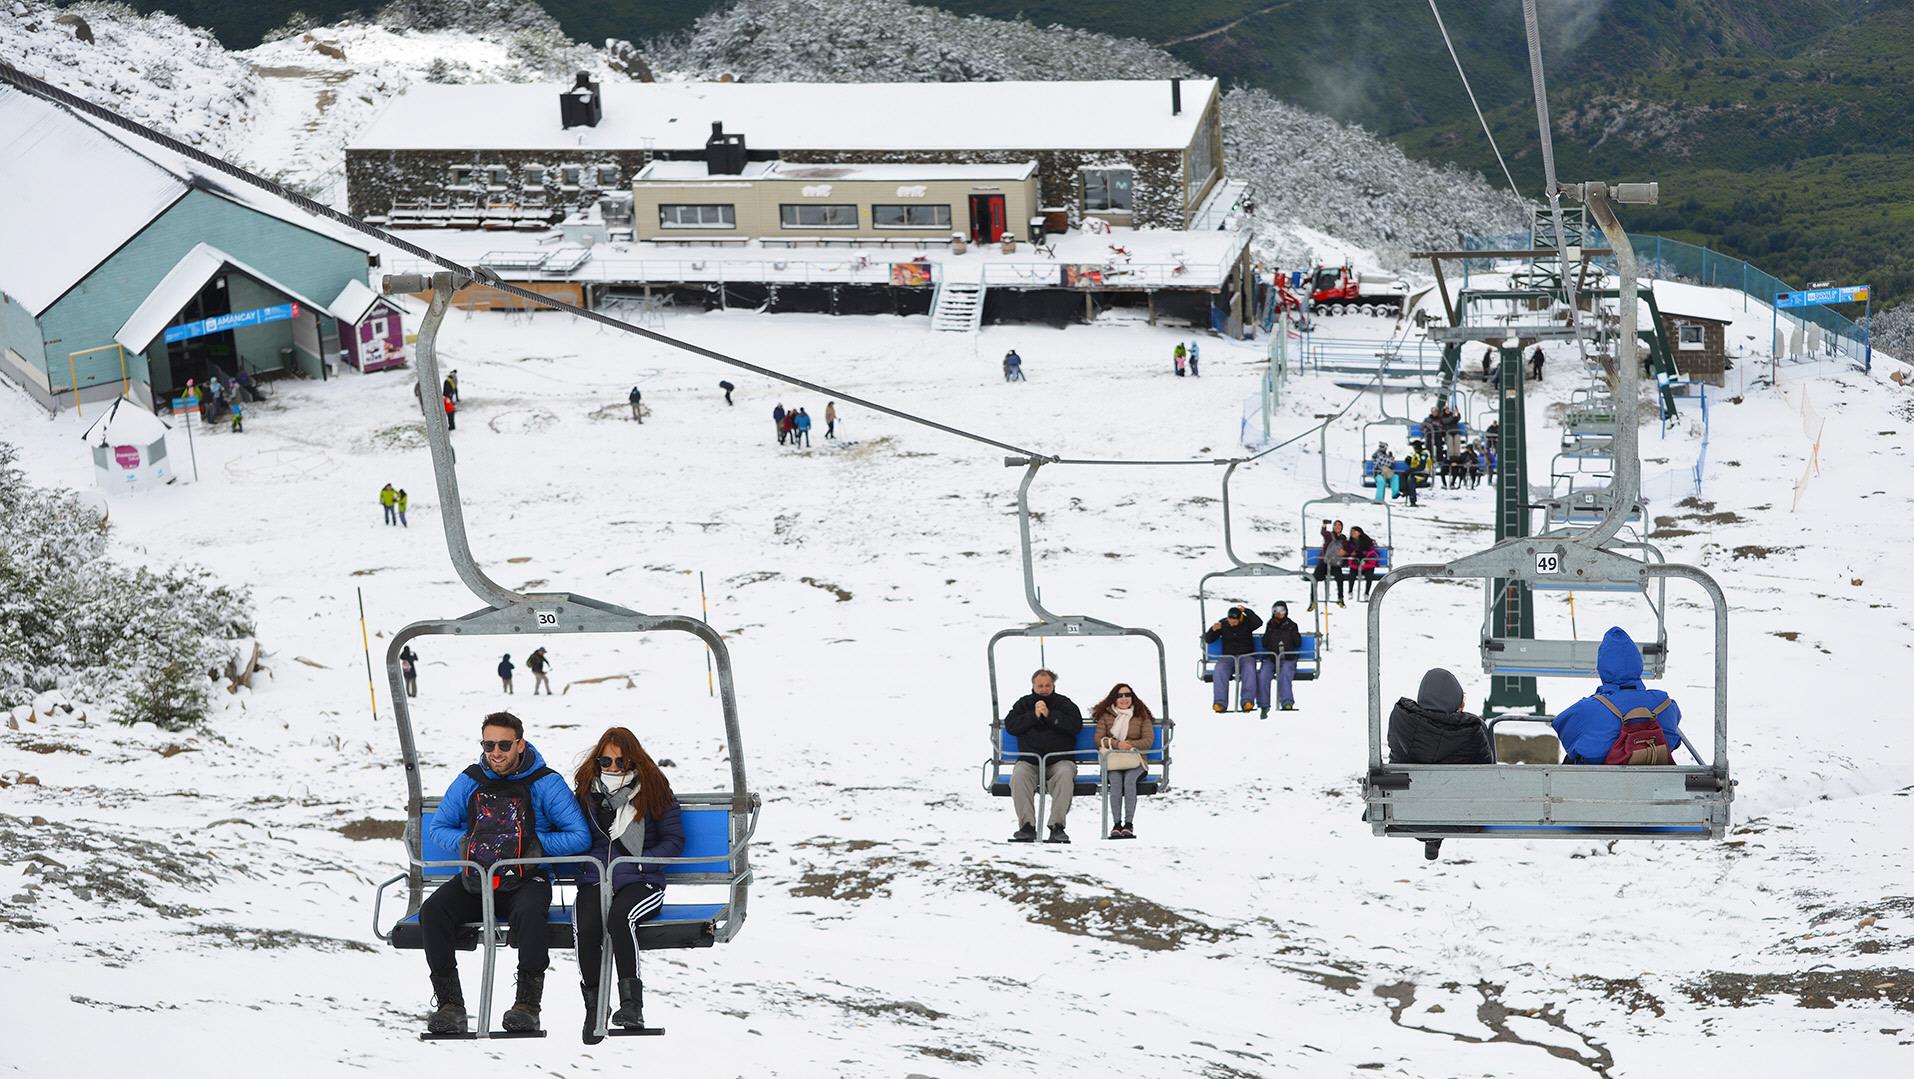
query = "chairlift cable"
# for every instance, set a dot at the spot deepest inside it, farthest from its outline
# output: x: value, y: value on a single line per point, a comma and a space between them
x: 1550, y: 189
x: 1517, y: 192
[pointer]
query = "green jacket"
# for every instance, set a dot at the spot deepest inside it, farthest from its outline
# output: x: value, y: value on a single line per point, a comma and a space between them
x: 388, y: 497
x: 401, y: 503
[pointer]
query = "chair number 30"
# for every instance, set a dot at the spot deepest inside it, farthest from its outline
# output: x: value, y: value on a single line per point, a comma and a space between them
x: 547, y: 619
x: 1548, y: 563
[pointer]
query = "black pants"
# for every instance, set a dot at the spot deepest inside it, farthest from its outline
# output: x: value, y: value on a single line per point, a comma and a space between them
x: 630, y: 905
x: 1324, y: 569
x: 411, y: 685
x: 524, y: 909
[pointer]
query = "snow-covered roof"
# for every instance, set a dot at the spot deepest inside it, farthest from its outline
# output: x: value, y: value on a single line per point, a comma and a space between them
x: 1108, y: 115
x: 695, y: 171
x: 73, y: 196
x: 76, y: 192
x: 178, y: 288
x: 125, y: 424
x: 354, y: 301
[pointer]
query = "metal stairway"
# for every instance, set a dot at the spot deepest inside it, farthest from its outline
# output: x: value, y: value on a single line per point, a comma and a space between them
x: 958, y: 307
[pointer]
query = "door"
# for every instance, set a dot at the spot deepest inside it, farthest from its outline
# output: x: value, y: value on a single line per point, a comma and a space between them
x: 372, y: 345
x: 986, y: 218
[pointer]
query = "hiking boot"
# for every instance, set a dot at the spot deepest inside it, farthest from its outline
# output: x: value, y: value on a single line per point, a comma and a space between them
x: 522, y: 1016
x: 1290, y: 707
x: 1025, y: 833
x: 1218, y: 707
x: 590, y: 1035
x: 1340, y: 603
x: 1265, y: 714
x: 1058, y: 835
x: 449, y: 1015
x: 1129, y: 831
x: 1311, y: 607
x: 1249, y: 706
x: 631, y: 1004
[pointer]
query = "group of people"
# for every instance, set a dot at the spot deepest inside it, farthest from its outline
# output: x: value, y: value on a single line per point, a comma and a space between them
x: 794, y: 424
x: 1046, y: 724
x: 394, y: 503
x: 538, y: 663
x: 1351, y: 558
x: 220, y: 399
x: 1258, y: 665
x: 1184, y: 358
x: 618, y: 804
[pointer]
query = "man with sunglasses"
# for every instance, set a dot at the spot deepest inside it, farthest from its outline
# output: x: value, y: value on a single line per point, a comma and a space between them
x: 510, y: 777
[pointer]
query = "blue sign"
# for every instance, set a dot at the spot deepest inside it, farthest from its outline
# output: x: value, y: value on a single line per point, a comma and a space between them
x: 1815, y: 297
x: 219, y: 323
x: 185, y: 404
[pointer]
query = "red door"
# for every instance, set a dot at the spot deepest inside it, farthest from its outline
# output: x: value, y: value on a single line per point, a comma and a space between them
x: 986, y: 218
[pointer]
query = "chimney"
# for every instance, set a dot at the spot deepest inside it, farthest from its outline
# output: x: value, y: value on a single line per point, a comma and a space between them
x: 581, y: 106
x: 724, y: 155
x: 1176, y: 97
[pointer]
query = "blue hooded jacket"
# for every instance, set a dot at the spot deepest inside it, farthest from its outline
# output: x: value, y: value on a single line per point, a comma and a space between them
x: 561, y: 824
x: 1587, y: 728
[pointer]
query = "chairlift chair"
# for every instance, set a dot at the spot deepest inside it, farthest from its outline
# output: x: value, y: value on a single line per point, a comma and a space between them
x: 1313, y: 554
x: 1004, y: 749
x: 718, y: 826
x: 1308, y: 660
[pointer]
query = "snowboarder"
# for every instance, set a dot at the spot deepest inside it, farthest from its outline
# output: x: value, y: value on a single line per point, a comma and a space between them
x: 637, y: 411
x: 399, y: 504
x: 538, y: 664
x: 777, y: 421
x: 1193, y: 358
x: 451, y: 413
x: 389, y: 498
x: 1181, y: 359
x: 409, y: 670
x: 505, y: 671
x: 727, y: 388
x: 830, y: 419
x: 801, y: 429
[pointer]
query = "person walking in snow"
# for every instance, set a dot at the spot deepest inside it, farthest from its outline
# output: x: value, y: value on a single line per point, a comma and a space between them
x: 789, y: 428
x: 452, y: 385
x: 1013, y: 367
x: 727, y: 387
x: 399, y: 502
x: 409, y: 670
x: 777, y: 420
x: 451, y: 413
x: 1193, y: 358
x: 830, y: 419
x: 1535, y: 364
x: 637, y: 410
x: 538, y: 664
x: 389, y: 498
x: 1488, y: 357
x: 1180, y: 359
x: 505, y: 668
x: 801, y: 429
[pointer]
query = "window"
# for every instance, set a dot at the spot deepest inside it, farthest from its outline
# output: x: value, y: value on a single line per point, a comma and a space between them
x: 498, y: 175
x: 1107, y: 189
x: 569, y: 175
x: 534, y: 175
x: 1692, y: 335
x: 818, y: 215
x: 462, y: 175
x: 910, y: 217
x: 1202, y: 164
x: 607, y: 176
x: 692, y: 215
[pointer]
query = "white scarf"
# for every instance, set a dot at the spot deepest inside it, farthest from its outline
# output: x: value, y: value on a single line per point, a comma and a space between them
x: 625, y: 811
x: 1120, y: 722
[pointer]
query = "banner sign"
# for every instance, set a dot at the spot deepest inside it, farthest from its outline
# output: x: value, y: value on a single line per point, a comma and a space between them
x: 219, y: 323
x: 1815, y: 297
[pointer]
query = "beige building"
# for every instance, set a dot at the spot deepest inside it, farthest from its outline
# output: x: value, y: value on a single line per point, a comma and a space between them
x: 782, y: 202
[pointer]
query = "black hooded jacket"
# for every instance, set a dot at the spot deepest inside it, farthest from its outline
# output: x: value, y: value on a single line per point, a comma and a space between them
x: 1432, y: 729
x: 1283, y: 637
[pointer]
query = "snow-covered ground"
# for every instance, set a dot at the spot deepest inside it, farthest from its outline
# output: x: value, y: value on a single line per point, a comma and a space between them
x: 164, y: 903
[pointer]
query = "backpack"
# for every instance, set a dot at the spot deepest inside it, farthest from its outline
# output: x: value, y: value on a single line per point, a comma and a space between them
x: 503, y: 825
x: 1641, y: 740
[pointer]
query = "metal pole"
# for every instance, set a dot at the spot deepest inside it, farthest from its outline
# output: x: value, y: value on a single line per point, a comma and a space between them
x: 192, y: 453
x: 704, y: 612
x: 365, y: 643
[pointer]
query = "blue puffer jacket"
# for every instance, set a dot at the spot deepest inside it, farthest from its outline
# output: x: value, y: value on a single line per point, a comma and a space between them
x: 560, y: 823
x: 1587, y: 728
x: 664, y: 838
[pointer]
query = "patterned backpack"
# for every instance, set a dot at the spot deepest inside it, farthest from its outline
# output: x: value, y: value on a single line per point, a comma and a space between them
x: 1641, y: 740
x: 502, y: 826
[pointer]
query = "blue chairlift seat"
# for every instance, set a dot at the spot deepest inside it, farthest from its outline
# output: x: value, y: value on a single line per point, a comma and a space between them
x: 1085, y: 757
x: 1385, y: 560
x: 1369, y: 470
x: 707, y: 828
x: 1308, y: 660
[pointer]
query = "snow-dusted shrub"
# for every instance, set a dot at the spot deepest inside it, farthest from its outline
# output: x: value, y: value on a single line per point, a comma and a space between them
x: 140, y: 640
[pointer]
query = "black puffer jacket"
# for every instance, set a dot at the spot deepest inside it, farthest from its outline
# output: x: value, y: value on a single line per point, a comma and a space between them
x: 1239, y: 639
x: 1054, y: 733
x: 1283, y: 637
x: 1432, y: 729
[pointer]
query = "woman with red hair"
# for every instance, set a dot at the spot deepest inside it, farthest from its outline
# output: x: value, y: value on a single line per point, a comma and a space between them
x: 632, y: 812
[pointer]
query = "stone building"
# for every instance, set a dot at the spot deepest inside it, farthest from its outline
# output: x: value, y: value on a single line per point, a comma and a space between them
x: 1698, y: 344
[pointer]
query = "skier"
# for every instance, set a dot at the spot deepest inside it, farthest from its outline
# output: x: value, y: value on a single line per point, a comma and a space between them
x: 727, y: 388
x: 1181, y: 359
x: 637, y: 412
x: 830, y: 419
x: 777, y: 420
x: 801, y: 429
x: 398, y: 503
x: 1193, y: 356
x: 409, y: 670
x: 538, y: 664
x: 505, y: 671
x: 389, y: 498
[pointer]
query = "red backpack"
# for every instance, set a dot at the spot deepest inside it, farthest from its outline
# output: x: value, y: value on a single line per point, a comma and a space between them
x: 1641, y: 740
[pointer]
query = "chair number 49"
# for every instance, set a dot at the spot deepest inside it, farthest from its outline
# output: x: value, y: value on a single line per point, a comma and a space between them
x: 1548, y: 563
x: 547, y: 619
